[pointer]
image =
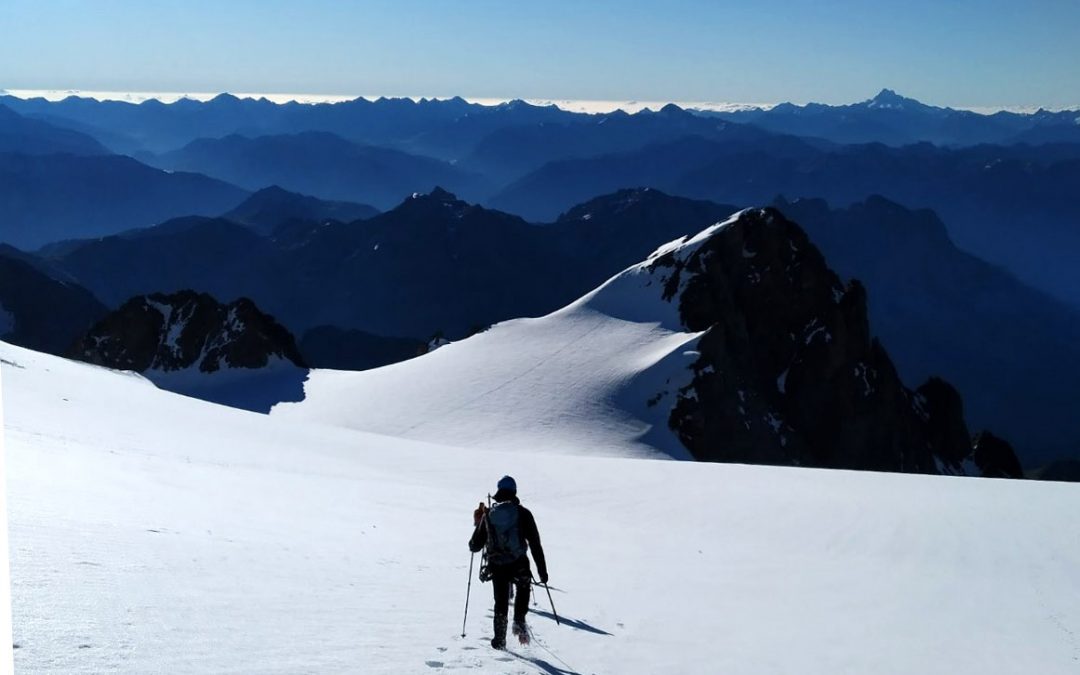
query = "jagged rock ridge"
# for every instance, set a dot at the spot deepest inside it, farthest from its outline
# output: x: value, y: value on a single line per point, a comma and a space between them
x: 187, y: 330
x: 788, y: 371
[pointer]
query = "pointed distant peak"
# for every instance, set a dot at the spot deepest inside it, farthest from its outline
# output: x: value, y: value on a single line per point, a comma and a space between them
x: 442, y: 195
x: 225, y: 97
x: 515, y: 104
x: 615, y: 203
x: 887, y: 98
x: 437, y: 196
x: 272, y: 190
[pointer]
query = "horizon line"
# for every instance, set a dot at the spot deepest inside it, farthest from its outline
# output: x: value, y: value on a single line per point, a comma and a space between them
x: 587, y: 106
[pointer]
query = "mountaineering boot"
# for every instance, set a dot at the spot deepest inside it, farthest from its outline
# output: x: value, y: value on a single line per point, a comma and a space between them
x: 499, y: 641
x: 522, y: 632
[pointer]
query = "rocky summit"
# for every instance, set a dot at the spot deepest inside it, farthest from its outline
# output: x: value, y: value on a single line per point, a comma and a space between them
x: 186, y: 330
x: 788, y: 370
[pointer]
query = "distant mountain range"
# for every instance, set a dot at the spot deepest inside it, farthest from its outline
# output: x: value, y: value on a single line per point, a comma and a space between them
x: 897, y: 120
x: 47, y: 198
x: 272, y: 208
x: 1003, y: 204
x: 36, y: 137
x: 319, y: 164
x: 538, y: 162
x: 452, y: 128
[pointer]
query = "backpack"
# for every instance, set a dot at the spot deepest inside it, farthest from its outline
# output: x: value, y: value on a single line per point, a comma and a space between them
x: 505, y: 544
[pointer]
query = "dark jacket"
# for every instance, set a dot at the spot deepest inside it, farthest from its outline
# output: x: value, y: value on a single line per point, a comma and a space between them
x: 527, y: 528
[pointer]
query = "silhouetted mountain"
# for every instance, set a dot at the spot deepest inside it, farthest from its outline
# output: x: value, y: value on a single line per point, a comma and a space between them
x: 332, y: 347
x: 455, y: 139
x: 1013, y: 352
x: 1062, y: 470
x: 897, y: 120
x: 433, y: 263
x: 319, y: 164
x: 434, y: 127
x: 156, y: 126
x: 38, y: 311
x: 619, y: 228
x: 509, y: 152
x: 48, y: 198
x: 787, y: 371
x: 213, y: 255
x: 36, y: 137
x: 545, y: 193
x: 985, y: 195
x: 270, y: 208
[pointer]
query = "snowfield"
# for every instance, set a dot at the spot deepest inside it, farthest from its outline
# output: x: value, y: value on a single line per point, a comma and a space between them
x: 153, y: 533
x: 577, y: 381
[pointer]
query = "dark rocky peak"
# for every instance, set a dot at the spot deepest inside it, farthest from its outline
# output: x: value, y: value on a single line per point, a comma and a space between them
x: 640, y: 201
x: 437, y: 204
x: 788, y: 371
x: 516, y: 104
x: 611, y: 204
x: 908, y: 230
x: 994, y: 457
x: 439, y: 194
x: 270, y: 208
x: 186, y: 331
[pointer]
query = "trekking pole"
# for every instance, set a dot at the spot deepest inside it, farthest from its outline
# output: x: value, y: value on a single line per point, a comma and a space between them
x: 550, y: 601
x: 468, y: 590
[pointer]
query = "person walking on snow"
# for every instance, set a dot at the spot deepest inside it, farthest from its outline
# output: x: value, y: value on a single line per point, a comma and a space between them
x: 508, y: 530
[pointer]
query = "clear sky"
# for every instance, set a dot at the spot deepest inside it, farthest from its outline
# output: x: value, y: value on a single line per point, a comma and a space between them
x: 963, y: 53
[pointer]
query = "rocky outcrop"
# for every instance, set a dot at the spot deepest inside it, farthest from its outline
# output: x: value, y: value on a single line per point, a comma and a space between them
x: 272, y: 207
x: 995, y: 457
x: 186, y: 330
x: 788, y: 371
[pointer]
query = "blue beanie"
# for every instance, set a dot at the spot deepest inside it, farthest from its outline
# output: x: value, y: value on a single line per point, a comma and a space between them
x: 507, y: 483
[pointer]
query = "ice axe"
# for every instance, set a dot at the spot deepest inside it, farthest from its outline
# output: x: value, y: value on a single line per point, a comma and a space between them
x: 550, y: 601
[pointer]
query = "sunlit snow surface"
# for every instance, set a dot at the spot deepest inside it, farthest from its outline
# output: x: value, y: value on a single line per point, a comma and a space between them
x: 152, y: 533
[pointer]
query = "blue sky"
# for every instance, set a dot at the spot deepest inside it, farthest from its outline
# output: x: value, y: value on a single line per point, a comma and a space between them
x: 960, y: 53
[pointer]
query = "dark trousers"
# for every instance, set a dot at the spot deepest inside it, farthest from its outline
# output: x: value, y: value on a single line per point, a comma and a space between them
x: 516, y: 574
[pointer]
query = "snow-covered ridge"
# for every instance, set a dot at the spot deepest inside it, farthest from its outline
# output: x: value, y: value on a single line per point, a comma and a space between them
x: 699, y: 351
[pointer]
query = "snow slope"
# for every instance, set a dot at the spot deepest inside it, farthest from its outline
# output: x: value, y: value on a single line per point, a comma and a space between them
x: 153, y: 533
x: 579, y: 380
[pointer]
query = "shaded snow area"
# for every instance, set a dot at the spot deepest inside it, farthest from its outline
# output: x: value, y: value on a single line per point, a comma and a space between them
x: 254, y: 389
x: 154, y: 533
